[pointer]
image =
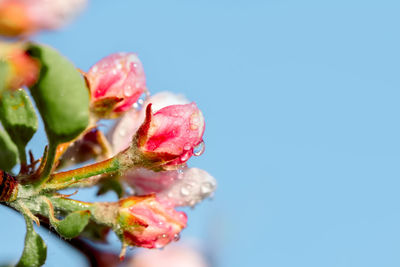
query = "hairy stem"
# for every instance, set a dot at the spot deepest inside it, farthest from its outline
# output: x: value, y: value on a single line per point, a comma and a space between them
x: 73, y: 176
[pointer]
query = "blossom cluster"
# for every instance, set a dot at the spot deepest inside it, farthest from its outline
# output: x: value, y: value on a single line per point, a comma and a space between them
x: 143, y: 157
x: 167, y: 130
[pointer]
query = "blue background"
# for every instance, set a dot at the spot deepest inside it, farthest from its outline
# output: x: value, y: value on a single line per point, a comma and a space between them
x: 301, y: 100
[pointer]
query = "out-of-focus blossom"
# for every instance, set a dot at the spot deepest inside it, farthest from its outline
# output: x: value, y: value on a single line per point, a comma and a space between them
x: 92, y: 145
x: 147, y: 222
x: 24, y: 17
x: 186, y: 187
x: 123, y: 132
x: 171, y: 134
x: 171, y: 256
x: 23, y: 70
x: 53, y: 14
x: 116, y: 82
x: 15, y: 18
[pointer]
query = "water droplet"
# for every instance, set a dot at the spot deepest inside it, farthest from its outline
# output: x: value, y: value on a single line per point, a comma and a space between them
x: 177, y: 237
x: 94, y: 69
x: 135, y: 65
x: 139, y: 103
x: 185, y: 156
x: 187, y: 146
x: 119, y: 66
x: 199, y: 149
x: 185, y: 190
x: 128, y: 92
x: 114, y: 71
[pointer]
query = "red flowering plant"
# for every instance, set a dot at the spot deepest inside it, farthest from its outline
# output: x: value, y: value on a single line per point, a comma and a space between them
x: 143, y: 157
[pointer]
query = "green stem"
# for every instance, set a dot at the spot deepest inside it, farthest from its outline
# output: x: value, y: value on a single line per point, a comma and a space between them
x: 63, y: 179
x: 22, y: 154
x: 48, y: 167
x: 22, y: 158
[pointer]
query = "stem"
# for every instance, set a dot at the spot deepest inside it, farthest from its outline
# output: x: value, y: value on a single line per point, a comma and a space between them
x: 22, y: 158
x: 48, y: 167
x: 106, y: 166
x: 96, y: 257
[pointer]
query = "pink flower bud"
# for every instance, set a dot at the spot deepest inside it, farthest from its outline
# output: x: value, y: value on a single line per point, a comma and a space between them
x: 118, y: 79
x: 123, y: 132
x: 146, y: 222
x: 171, y: 134
x: 186, y: 187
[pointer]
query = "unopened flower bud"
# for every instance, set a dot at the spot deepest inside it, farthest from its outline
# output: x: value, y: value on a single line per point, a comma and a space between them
x: 186, y: 187
x: 116, y: 82
x: 146, y: 222
x: 171, y: 134
x: 123, y: 132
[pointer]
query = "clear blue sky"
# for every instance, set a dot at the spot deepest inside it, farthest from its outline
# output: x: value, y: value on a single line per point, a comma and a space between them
x: 301, y: 100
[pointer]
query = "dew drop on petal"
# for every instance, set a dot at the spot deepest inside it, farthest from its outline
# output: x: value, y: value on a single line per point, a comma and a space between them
x: 185, y: 157
x: 199, y: 149
x: 128, y: 92
x: 177, y: 237
x: 187, y: 146
x: 185, y: 190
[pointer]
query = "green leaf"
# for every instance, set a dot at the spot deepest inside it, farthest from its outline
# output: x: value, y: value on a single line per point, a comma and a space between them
x: 8, y: 152
x: 35, y: 251
x: 18, y: 117
x: 60, y: 94
x: 73, y: 224
x: 3, y: 75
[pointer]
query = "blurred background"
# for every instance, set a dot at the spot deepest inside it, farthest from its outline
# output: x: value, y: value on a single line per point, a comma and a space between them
x: 301, y: 100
